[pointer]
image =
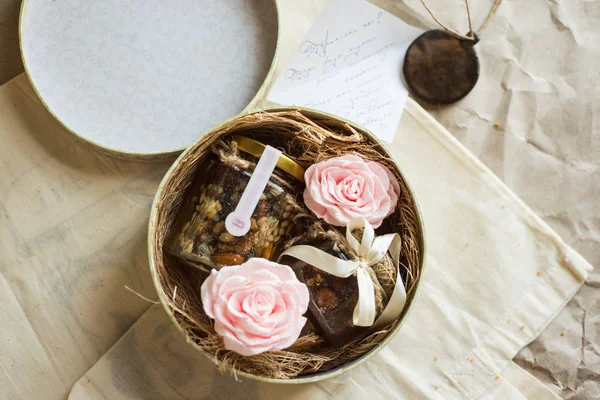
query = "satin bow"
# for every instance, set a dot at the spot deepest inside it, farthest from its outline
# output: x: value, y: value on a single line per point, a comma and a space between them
x: 370, y: 250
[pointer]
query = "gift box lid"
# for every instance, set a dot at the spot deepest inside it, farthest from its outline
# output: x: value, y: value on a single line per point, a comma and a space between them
x: 146, y: 78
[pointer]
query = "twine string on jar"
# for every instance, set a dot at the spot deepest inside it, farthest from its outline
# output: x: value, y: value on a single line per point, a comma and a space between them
x: 471, y: 35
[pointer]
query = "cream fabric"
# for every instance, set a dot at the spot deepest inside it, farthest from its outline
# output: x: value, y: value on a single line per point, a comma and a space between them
x: 495, y: 276
x: 56, y: 260
x: 152, y: 361
x: 73, y: 229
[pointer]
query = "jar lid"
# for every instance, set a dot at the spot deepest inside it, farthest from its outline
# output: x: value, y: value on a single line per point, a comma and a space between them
x: 256, y: 148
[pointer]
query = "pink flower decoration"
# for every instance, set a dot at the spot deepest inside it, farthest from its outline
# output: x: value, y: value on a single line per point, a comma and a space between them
x: 346, y: 187
x: 257, y: 306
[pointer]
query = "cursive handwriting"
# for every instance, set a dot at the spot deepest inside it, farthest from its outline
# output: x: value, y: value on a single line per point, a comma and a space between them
x: 318, y: 104
x: 308, y: 47
x: 293, y: 74
x: 330, y: 64
x: 355, y: 51
x: 348, y: 34
x: 346, y: 110
x: 350, y: 66
x: 360, y: 74
x: 371, y: 107
x: 374, y: 21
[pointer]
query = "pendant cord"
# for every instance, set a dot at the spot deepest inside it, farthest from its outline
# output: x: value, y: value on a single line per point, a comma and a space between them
x: 469, y: 18
x: 495, y: 7
x: 471, y: 34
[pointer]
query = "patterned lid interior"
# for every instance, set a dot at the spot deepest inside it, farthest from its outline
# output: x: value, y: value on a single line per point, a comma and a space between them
x: 147, y: 76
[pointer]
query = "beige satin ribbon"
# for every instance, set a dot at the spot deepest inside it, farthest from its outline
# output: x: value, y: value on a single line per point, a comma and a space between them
x: 370, y: 251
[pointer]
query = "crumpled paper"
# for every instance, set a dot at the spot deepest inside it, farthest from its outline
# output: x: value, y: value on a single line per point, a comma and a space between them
x: 534, y: 119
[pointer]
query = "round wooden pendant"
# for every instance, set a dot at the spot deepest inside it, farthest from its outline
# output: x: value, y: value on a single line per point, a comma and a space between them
x: 440, y: 68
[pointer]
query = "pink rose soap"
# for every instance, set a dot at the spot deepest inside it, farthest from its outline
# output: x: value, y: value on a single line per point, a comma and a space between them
x: 257, y: 306
x: 342, y: 188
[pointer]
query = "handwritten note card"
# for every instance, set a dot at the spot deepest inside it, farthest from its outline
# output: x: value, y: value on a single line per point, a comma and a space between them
x: 350, y: 64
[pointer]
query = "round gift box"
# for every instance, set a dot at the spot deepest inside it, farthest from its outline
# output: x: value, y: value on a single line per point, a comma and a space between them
x: 156, y: 238
x: 140, y: 80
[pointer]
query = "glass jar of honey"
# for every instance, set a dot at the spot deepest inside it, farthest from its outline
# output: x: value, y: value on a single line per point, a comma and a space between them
x: 199, y: 236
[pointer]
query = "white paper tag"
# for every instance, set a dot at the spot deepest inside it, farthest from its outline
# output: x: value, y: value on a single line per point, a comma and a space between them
x: 350, y: 64
x: 238, y: 222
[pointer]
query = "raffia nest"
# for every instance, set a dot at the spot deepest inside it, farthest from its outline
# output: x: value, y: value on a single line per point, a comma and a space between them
x: 306, y: 137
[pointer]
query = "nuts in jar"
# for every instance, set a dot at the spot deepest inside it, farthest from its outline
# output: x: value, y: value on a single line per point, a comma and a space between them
x: 200, y: 237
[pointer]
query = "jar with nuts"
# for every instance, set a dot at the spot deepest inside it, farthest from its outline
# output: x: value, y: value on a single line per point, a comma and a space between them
x: 199, y: 236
